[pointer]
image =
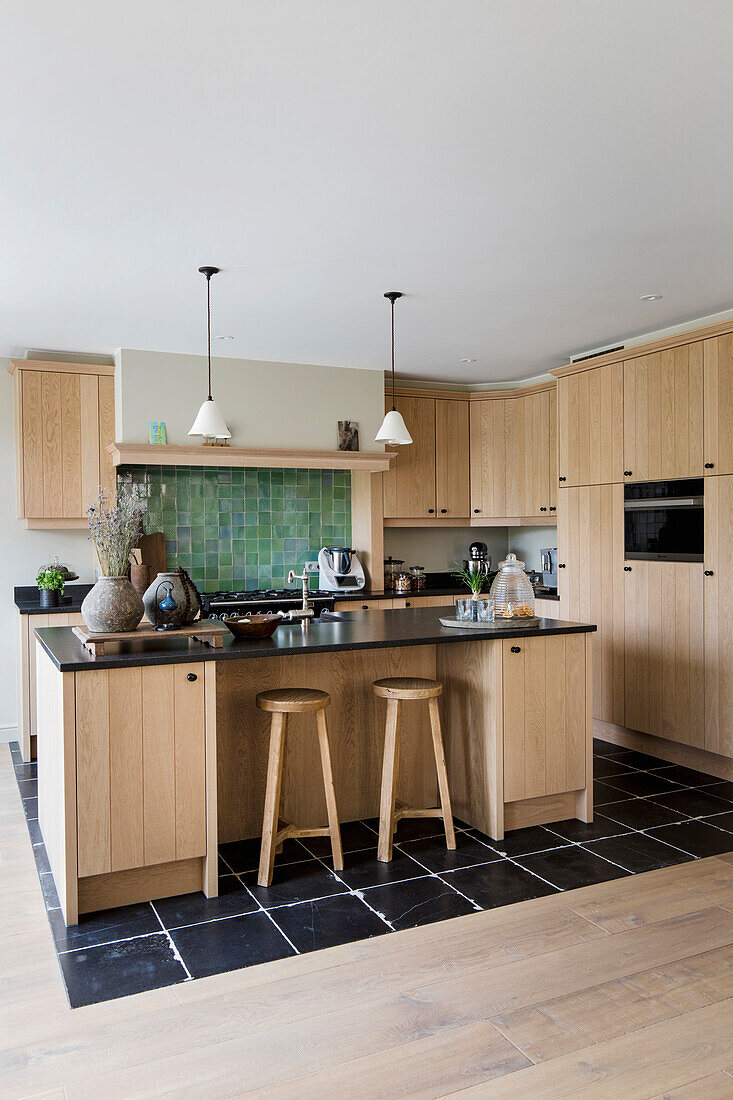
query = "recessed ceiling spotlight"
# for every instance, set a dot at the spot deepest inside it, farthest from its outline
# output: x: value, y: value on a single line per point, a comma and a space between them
x: 466, y: 360
x: 650, y: 297
x: 223, y: 337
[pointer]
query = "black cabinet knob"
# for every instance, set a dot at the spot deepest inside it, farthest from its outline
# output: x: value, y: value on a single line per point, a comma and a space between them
x: 431, y: 511
x: 627, y: 569
x: 444, y: 510
x: 708, y: 572
x: 561, y: 565
x: 408, y: 603
x: 628, y: 473
x: 562, y: 479
x: 365, y: 607
x: 709, y: 465
x: 477, y: 510
x: 543, y: 509
x: 516, y: 649
x: 192, y: 676
x: 553, y: 508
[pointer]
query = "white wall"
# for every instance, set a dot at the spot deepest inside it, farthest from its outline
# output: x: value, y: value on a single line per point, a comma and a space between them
x: 265, y: 404
x: 440, y: 548
x: 526, y: 543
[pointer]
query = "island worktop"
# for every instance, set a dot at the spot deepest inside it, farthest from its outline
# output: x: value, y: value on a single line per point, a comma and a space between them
x: 150, y: 757
x: 344, y: 631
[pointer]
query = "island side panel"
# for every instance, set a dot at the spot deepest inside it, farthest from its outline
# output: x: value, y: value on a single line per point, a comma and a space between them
x: 56, y: 733
x: 584, y: 797
x: 356, y: 730
x: 472, y: 716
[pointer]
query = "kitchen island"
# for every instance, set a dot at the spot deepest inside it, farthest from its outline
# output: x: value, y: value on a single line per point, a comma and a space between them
x: 151, y: 756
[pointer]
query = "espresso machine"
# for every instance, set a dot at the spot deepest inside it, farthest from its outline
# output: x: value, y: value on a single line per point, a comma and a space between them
x: 339, y: 569
x: 548, y: 565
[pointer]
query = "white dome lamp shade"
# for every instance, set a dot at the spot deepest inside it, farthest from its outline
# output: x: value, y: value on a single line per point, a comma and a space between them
x: 209, y: 420
x: 394, y: 430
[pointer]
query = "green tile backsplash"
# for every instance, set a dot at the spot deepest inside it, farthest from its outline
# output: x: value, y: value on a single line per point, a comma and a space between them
x: 236, y: 528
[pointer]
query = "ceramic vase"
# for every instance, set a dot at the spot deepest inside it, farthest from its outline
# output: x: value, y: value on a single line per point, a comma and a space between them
x: 112, y: 606
x: 182, y: 591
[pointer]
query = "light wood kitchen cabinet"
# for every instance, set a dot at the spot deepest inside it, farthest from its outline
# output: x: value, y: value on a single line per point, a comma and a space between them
x: 664, y: 650
x: 590, y: 583
x: 140, y: 767
x: 409, y: 486
x: 663, y: 414
x: 488, y: 458
x: 590, y: 414
x: 26, y: 672
x: 717, y: 573
x: 452, y: 487
x: 363, y: 605
x: 718, y: 368
x: 544, y: 707
x: 64, y: 420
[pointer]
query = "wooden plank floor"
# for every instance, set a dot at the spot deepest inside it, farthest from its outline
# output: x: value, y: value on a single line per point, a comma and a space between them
x: 621, y: 990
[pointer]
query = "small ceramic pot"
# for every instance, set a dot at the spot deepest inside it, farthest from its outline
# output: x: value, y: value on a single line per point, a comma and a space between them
x: 49, y: 597
x: 112, y: 606
x: 182, y: 591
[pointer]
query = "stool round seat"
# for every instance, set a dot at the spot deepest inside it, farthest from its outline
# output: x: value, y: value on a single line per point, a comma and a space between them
x: 407, y: 687
x: 292, y: 700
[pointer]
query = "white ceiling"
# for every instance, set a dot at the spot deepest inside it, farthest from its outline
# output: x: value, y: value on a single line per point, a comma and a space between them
x: 522, y: 169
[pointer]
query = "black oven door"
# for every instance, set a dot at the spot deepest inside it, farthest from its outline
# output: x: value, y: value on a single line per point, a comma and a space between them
x: 664, y: 520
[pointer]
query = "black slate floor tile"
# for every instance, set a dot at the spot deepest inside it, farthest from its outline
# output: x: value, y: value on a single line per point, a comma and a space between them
x: 119, y: 969
x: 194, y: 908
x: 28, y: 788
x: 355, y: 835
x: 695, y: 802
x: 603, y: 794
x: 313, y: 925
x: 605, y: 766
x: 363, y: 869
x: 26, y: 771
x: 229, y: 944
x: 30, y: 808
x: 520, y: 842
x: 569, y: 868
x: 418, y: 901
x: 433, y: 854
x: 721, y: 821
x: 244, y: 855
x: 34, y: 831
x: 637, y: 852
x: 640, y: 760
x: 575, y: 830
x: 688, y: 777
x: 416, y: 828
x: 696, y: 837
x: 303, y: 881
x: 500, y: 883
x: 606, y: 748
x: 639, y: 813
x: 40, y: 855
x: 721, y: 787
x: 48, y: 887
x: 107, y: 926
x: 641, y: 784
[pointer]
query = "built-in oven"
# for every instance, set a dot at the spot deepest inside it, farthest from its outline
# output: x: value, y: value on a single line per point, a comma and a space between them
x: 664, y: 520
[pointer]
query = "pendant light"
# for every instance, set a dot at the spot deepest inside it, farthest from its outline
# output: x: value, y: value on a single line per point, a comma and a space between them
x: 209, y: 421
x: 394, y: 430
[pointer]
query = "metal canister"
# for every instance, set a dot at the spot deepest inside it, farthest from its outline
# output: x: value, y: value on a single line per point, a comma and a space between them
x: 417, y: 576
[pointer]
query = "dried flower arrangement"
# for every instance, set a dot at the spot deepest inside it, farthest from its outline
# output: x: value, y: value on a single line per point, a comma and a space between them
x: 114, y: 527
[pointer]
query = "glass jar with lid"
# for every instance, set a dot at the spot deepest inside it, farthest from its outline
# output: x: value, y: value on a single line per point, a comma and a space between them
x: 417, y: 575
x: 512, y: 595
x: 402, y: 581
x: 392, y: 567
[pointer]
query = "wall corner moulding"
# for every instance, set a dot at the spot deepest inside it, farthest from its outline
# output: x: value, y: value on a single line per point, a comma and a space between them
x: 156, y: 454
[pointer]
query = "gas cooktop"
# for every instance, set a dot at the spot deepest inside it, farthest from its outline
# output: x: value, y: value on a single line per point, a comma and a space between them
x: 260, y: 594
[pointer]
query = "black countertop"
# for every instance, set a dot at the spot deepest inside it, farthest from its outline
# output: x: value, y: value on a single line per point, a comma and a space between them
x: 355, y: 630
x: 28, y: 600
x: 419, y: 593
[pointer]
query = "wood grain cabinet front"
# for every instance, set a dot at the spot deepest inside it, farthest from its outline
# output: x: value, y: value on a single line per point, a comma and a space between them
x: 429, y: 479
x: 140, y: 767
x: 64, y: 423
x: 663, y: 414
x: 718, y: 372
x: 590, y: 418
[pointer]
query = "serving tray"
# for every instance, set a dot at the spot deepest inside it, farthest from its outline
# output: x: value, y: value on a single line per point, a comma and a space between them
x: 500, y: 624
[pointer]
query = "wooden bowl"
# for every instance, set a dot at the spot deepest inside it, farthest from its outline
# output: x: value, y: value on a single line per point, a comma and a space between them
x: 253, y: 626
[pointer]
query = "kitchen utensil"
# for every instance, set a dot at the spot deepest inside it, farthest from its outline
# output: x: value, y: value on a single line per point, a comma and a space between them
x: 252, y: 626
x: 339, y: 558
x: 339, y: 569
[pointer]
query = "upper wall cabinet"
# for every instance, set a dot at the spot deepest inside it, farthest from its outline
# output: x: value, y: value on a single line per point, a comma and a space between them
x: 718, y: 451
x: 64, y: 420
x: 429, y: 478
x: 590, y: 409
x: 663, y: 414
x: 514, y: 457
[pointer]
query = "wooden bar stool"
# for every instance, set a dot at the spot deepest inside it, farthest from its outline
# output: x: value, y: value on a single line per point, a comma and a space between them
x: 396, y: 689
x: 280, y: 703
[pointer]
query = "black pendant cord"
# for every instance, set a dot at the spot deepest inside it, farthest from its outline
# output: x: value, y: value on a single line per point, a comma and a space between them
x: 208, y: 272
x: 393, y: 295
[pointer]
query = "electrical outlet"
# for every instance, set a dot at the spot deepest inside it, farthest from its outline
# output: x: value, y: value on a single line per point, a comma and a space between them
x: 311, y: 567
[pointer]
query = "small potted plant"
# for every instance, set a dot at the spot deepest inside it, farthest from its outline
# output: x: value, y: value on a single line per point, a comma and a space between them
x: 50, y: 581
x: 474, y: 582
x: 113, y: 605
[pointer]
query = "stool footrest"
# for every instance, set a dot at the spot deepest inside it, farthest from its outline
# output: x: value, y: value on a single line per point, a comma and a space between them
x: 294, y: 831
x: 409, y: 811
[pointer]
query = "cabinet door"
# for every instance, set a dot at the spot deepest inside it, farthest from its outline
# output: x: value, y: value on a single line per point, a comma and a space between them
x: 516, y: 436
x: 488, y: 458
x: 590, y: 583
x: 409, y: 487
x: 718, y: 451
x: 664, y: 651
x: 451, y: 458
x: 590, y: 408
x: 718, y: 601
x: 537, y: 455
x: 553, y: 452
x: 663, y: 415
x: 140, y: 752
x: 107, y: 472
x: 544, y: 715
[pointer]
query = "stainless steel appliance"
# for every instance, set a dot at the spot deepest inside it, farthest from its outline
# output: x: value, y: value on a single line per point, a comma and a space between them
x: 339, y: 569
x: 218, y: 605
x: 663, y: 520
x: 548, y: 565
x: 478, y: 560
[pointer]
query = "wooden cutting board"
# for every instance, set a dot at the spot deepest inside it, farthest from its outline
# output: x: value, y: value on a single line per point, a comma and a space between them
x: 153, y: 551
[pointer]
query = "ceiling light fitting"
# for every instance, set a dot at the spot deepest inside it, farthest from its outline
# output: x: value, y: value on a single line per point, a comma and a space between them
x: 210, y: 422
x: 650, y: 297
x: 393, y: 430
x: 466, y: 360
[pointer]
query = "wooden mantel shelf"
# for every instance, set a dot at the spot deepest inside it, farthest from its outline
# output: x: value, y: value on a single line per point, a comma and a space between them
x: 167, y: 454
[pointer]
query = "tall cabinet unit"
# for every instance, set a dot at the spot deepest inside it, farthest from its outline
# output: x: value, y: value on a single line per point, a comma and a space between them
x: 718, y: 610
x: 718, y: 398
x: 64, y: 421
